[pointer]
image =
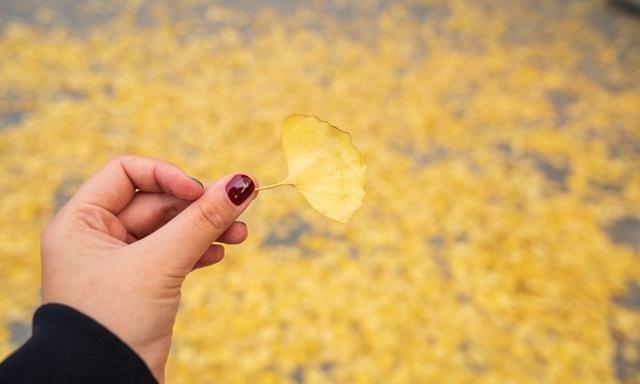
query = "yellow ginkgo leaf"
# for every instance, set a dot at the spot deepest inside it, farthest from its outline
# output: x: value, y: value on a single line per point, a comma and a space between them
x: 323, y: 165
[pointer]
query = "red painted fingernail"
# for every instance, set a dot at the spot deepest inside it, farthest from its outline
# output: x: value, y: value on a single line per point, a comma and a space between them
x: 239, y: 188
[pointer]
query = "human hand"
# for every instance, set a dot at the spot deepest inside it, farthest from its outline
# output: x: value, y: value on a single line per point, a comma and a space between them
x: 120, y: 255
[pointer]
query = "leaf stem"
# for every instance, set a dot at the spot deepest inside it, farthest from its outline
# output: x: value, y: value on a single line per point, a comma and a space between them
x: 272, y: 186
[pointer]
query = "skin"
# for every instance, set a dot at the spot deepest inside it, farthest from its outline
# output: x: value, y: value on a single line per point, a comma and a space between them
x: 120, y: 249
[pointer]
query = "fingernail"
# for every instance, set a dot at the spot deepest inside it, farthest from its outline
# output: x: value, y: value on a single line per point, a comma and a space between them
x: 239, y: 188
x: 197, y: 181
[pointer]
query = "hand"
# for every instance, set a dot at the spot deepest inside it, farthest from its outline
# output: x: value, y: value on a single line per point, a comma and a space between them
x: 120, y: 249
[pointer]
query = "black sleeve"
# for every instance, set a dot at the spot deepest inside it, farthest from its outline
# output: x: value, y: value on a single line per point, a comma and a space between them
x: 69, y: 347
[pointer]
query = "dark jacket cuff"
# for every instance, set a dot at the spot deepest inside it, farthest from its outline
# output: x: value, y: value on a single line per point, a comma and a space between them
x: 70, y: 347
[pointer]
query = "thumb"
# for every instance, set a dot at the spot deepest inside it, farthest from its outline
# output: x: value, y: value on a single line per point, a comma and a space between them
x: 185, y: 238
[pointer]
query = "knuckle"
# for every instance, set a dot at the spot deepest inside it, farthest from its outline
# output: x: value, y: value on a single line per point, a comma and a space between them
x: 94, y: 219
x: 212, y: 215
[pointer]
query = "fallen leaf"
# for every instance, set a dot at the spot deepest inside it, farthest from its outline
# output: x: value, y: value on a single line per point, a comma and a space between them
x: 323, y: 165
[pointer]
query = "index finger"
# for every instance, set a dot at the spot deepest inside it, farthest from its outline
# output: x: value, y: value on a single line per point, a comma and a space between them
x: 113, y: 186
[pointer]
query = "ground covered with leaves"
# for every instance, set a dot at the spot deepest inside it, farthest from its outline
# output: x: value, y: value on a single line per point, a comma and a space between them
x: 499, y: 240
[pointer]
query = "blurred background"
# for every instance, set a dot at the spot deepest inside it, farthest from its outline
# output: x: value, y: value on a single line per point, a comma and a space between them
x: 499, y: 240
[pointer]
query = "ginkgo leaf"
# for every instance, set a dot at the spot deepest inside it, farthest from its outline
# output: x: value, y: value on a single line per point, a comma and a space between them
x: 323, y: 165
